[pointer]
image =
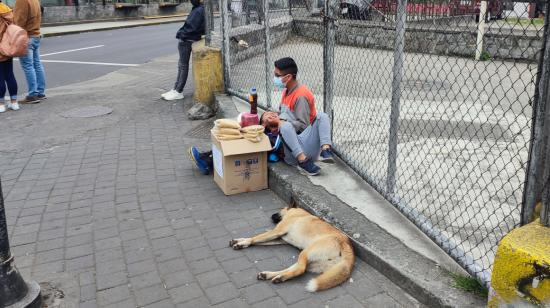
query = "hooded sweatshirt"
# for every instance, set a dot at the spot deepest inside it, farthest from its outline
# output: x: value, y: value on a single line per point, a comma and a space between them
x: 194, y: 26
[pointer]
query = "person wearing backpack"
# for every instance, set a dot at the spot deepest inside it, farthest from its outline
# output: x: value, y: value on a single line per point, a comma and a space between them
x: 6, y: 65
x: 190, y: 32
x: 27, y: 15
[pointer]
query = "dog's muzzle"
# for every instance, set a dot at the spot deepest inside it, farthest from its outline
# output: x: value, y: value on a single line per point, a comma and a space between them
x: 276, y: 218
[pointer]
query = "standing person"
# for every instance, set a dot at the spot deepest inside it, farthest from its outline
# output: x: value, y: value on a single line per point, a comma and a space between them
x: 27, y: 16
x: 6, y: 65
x: 190, y: 32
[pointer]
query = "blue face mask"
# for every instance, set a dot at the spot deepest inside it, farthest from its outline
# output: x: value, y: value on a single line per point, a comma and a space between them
x: 278, y: 82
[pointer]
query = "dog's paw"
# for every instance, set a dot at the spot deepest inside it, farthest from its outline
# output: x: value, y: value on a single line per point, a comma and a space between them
x: 278, y: 279
x: 262, y: 276
x: 239, y: 243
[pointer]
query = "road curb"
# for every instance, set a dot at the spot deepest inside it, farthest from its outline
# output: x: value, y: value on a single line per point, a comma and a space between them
x: 160, y: 22
x: 419, y: 276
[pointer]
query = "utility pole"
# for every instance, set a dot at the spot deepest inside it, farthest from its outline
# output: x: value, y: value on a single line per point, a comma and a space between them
x: 14, y: 292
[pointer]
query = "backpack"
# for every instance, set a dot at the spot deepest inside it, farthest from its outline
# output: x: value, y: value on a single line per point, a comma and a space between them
x: 14, y: 42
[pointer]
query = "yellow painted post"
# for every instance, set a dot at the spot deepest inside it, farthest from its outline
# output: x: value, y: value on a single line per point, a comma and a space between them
x: 521, y: 271
x: 207, y: 73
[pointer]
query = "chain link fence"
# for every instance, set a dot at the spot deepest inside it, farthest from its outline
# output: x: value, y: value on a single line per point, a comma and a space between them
x: 431, y: 101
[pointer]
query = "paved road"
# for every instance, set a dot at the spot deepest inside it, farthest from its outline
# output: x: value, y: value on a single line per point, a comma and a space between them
x: 124, y: 46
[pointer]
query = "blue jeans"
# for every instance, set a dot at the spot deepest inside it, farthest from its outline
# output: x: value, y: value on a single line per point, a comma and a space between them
x: 33, y: 69
x: 308, y: 142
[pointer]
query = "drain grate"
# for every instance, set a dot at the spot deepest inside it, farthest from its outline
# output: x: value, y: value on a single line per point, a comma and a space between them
x: 87, y: 112
x: 201, y: 131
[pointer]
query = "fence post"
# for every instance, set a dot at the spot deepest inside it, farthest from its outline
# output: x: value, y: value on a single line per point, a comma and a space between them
x: 209, y: 22
x: 397, y: 72
x: 13, y: 289
x: 328, y: 57
x: 267, y: 55
x: 537, y: 169
x: 481, y: 29
x: 226, y: 51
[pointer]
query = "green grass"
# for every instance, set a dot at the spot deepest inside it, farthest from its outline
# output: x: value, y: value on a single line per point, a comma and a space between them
x: 485, y: 56
x: 539, y: 22
x: 469, y: 284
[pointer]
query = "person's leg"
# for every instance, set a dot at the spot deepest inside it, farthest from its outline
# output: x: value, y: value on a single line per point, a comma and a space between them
x: 184, y: 48
x: 2, y: 86
x: 28, y: 68
x: 12, y: 85
x: 322, y: 124
x: 294, y: 145
x: 39, y: 70
x: 293, y: 148
x: 323, y: 127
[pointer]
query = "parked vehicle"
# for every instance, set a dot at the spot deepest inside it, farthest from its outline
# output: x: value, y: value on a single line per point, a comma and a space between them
x: 355, y: 9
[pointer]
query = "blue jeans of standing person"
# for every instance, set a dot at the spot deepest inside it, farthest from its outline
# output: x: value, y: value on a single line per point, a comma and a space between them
x: 7, y: 78
x: 33, y: 69
x: 308, y: 142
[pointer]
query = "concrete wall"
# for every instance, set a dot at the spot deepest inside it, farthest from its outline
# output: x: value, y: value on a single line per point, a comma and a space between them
x: 63, y: 14
x: 517, y: 46
x: 253, y: 34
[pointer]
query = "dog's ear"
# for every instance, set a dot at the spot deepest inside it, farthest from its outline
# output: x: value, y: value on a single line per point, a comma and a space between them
x: 292, y: 203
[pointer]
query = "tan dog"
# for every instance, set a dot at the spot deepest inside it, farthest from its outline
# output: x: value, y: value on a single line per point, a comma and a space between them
x: 325, y: 249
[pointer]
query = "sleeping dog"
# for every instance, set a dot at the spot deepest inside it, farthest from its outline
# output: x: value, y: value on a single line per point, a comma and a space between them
x: 325, y: 249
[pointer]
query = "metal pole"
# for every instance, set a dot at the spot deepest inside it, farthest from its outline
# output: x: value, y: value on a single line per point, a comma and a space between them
x: 13, y: 289
x: 481, y: 29
x: 226, y: 51
x: 290, y: 7
x: 396, y: 93
x: 328, y: 56
x: 267, y: 55
x: 209, y: 18
x: 539, y: 142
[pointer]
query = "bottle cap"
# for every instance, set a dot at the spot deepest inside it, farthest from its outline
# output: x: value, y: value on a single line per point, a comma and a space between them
x: 253, y: 90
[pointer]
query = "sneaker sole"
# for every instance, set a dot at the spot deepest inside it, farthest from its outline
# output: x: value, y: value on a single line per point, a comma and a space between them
x: 326, y: 160
x: 173, y: 99
x: 304, y: 172
x: 30, y: 102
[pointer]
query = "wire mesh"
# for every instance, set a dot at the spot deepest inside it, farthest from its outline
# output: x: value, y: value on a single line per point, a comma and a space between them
x: 463, y: 101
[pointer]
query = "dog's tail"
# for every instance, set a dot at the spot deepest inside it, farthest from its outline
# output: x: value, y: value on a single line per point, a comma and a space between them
x: 336, y: 274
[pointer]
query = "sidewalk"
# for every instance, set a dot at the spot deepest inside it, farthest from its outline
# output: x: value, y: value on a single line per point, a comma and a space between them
x: 108, y: 25
x: 110, y: 210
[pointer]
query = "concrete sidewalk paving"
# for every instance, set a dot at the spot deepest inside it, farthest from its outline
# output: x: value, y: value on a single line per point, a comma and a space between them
x: 56, y: 30
x: 110, y: 210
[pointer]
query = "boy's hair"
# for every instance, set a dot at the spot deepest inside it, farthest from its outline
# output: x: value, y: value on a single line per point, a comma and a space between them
x: 287, y: 65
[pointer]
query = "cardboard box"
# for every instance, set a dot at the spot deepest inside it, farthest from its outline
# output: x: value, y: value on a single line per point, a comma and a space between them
x: 240, y: 165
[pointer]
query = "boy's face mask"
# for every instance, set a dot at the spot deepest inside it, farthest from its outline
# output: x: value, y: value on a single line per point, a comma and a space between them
x: 278, y: 82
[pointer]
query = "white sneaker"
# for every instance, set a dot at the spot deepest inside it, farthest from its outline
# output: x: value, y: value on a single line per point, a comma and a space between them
x: 173, y: 96
x: 2, y: 108
x: 13, y: 106
x: 168, y: 93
